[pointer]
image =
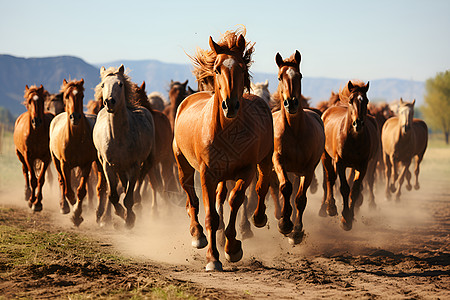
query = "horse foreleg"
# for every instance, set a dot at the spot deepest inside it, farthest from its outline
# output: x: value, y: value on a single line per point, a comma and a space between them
x: 25, y: 172
x: 395, y: 165
x: 209, y: 186
x: 408, y: 180
x: 157, y: 185
x: 113, y: 196
x: 400, y: 180
x: 297, y: 234
x: 233, y: 247
x: 68, y: 192
x: 418, y: 160
x: 329, y: 178
x: 41, y: 180
x: 285, y: 224
x: 262, y: 186
x: 221, y: 195
x: 33, y: 180
x: 77, y: 219
x: 347, y: 213
x: 387, y: 172
x: 370, y: 177
x: 274, y: 192
x: 101, y: 191
x: 186, y: 176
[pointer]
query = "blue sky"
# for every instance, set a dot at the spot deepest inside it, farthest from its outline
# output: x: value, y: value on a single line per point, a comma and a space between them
x: 338, y: 39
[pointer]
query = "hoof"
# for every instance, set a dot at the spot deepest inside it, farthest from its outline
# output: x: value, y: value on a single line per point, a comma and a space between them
x: 130, y: 220
x: 392, y: 188
x: 372, y: 205
x: 332, y: 210
x: 296, y: 237
x: 285, y: 226
x: 199, y: 243
x: 77, y: 220
x: 417, y: 186
x: 214, y: 266
x: 65, y: 209
x: 37, y: 207
x: 323, y: 212
x: 408, y: 187
x: 247, y: 234
x: 120, y: 211
x: 235, y: 257
x: 259, y: 223
x: 347, y: 226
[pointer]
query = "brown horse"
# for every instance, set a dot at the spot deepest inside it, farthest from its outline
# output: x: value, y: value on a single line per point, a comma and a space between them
x: 225, y: 135
x: 403, y: 138
x: 299, y: 141
x: 164, y: 162
x: 71, y: 146
x: 124, y: 136
x: 351, y: 142
x: 54, y: 103
x: 157, y: 101
x: 31, y: 137
x: 177, y: 93
x: 94, y: 106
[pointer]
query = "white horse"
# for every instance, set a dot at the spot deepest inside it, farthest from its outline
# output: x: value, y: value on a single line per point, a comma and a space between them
x: 124, y: 136
x: 261, y: 89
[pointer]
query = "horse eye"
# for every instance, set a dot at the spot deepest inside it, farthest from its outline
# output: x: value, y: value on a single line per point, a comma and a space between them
x: 103, y: 85
x: 217, y: 71
x: 120, y: 84
x: 279, y: 78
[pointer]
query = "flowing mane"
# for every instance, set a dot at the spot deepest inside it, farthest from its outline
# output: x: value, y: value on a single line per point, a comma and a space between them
x: 34, y: 89
x: 129, y: 91
x: 344, y: 93
x: 203, y: 60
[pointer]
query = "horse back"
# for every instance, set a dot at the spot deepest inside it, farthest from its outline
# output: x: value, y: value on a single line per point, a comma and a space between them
x: 421, y: 132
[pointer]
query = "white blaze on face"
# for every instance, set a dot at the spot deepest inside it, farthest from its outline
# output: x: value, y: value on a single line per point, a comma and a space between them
x: 360, y: 98
x: 228, y: 63
x: 75, y: 92
x: 35, y: 97
x: 290, y: 73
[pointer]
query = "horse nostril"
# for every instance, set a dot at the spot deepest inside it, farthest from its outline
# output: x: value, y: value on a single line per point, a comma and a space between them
x: 237, y: 105
x: 295, y: 101
x: 224, y: 105
x: 113, y: 101
x: 286, y: 103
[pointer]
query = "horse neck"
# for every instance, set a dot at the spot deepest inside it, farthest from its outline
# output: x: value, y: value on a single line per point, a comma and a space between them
x: 295, y: 121
x: 119, y: 121
x: 78, y: 130
x: 218, y: 118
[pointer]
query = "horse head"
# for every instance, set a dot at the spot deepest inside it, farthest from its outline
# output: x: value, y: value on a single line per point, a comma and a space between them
x: 229, y: 82
x: 54, y: 103
x: 357, y: 103
x: 34, y: 102
x: 73, y: 94
x: 177, y: 92
x: 113, y: 88
x: 290, y: 78
x: 406, y: 115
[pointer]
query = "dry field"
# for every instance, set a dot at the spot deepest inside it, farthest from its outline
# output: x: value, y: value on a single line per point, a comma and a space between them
x: 399, y: 251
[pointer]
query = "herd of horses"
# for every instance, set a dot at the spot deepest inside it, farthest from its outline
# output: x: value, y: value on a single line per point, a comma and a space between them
x: 233, y: 133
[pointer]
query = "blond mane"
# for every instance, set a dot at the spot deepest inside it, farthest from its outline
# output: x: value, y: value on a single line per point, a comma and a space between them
x: 203, y: 60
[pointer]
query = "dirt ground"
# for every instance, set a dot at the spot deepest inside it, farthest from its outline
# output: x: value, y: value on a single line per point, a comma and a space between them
x: 400, y: 250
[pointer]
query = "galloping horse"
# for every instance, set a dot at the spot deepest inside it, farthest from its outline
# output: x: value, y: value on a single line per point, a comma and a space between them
x: 351, y: 142
x: 403, y: 138
x: 71, y: 145
x: 224, y: 135
x: 299, y: 141
x: 54, y: 103
x: 31, y: 137
x: 124, y: 136
x: 177, y: 93
x: 164, y: 159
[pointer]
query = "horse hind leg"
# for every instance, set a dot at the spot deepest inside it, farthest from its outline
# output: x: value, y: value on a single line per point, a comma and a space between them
x: 408, y: 180
x: 347, y: 211
x: 101, y: 191
x: 328, y: 206
x: 418, y: 160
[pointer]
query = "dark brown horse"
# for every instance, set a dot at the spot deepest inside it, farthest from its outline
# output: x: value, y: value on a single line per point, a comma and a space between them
x: 223, y: 135
x: 177, y: 93
x: 299, y: 141
x: 403, y: 139
x: 351, y: 142
x: 31, y: 138
x: 71, y: 146
x: 164, y: 160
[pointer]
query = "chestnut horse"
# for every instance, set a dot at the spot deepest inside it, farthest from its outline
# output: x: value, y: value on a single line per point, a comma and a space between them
x: 403, y: 139
x: 225, y: 135
x: 124, y: 136
x: 299, y: 141
x: 177, y: 93
x: 71, y: 146
x: 31, y: 137
x: 351, y: 142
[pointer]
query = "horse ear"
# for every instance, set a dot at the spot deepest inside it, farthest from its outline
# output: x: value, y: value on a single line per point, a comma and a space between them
x: 414, y: 102
x: 64, y: 82
x: 279, y: 60
x: 185, y: 83
x: 297, y: 57
x: 401, y: 100
x: 241, y: 43
x: 367, y: 86
x: 82, y: 81
x: 26, y: 87
x: 102, y: 70
x: 121, y: 69
x: 143, y: 85
x: 350, y: 85
x: 214, y: 47
x: 266, y: 83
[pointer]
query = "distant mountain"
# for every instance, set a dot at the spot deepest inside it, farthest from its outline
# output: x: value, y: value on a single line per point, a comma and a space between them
x: 16, y: 72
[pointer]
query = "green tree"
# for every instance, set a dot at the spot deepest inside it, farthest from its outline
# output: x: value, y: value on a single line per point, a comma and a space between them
x: 437, y: 103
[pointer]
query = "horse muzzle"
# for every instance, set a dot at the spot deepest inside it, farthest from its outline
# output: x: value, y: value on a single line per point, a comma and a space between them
x: 230, y: 111
x: 109, y: 104
x: 36, y: 122
x: 75, y: 118
x: 291, y: 105
x: 358, y: 124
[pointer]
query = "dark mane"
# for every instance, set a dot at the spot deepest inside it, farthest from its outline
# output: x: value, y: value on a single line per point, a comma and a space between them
x: 141, y: 96
x: 34, y: 89
x: 344, y: 93
x: 203, y: 60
